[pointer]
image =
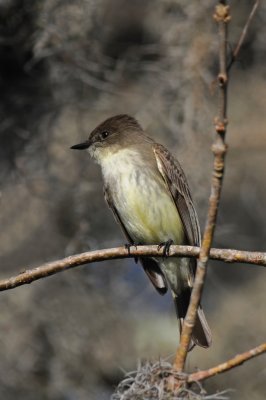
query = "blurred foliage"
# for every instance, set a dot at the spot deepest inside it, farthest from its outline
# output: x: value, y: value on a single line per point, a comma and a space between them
x: 65, y: 66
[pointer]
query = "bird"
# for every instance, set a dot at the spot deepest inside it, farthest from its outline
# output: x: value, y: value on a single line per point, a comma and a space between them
x: 148, y: 193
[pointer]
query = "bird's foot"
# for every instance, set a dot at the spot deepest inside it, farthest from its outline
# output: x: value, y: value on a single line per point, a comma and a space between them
x: 166, y: 247
x: 128, y: 246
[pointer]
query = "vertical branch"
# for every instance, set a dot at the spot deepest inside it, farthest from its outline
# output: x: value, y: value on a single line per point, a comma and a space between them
x: 219, y: 149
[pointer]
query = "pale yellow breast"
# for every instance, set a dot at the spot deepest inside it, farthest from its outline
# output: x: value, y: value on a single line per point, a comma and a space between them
x: 142, y: 199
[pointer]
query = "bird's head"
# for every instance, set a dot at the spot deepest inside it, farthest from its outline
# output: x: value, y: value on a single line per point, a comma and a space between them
x: 111, y: 135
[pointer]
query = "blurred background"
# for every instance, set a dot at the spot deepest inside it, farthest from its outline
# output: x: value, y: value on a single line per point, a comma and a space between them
x: 66, y: 66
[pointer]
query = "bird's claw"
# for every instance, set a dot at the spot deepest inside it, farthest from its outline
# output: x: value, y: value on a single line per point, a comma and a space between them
x: 166, y: 247
x: 128, y: 246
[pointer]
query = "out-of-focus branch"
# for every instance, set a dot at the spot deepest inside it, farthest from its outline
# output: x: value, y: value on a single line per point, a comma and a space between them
x: 232, y: 363
x: 219, y: 148
x: 243, y: 35
x: 45, y: 270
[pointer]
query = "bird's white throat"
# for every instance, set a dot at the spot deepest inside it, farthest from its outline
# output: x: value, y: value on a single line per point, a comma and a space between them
x: 123, y: 161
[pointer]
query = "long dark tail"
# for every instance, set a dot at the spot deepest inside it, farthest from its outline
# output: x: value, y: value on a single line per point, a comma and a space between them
x: 201, y: 334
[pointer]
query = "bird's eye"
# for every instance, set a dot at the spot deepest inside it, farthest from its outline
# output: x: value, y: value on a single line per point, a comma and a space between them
x: 104, y: 135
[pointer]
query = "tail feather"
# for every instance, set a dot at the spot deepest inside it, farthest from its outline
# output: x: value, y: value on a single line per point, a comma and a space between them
x: 201, y: 334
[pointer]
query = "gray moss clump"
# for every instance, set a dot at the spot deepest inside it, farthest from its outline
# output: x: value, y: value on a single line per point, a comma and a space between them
x: 148, y: 382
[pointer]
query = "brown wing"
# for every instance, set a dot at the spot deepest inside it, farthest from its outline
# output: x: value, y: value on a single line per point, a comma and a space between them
x: 149, y: 265
x: 176, y: 181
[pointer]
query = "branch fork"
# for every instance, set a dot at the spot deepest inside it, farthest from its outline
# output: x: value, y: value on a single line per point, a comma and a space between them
x: 219, y: 148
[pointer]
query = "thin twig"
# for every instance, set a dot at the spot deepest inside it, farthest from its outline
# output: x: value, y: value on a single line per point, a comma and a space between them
x: 232, y: 363
x: 243, y: 35
x: 48, y: 269
x: 219, y: 148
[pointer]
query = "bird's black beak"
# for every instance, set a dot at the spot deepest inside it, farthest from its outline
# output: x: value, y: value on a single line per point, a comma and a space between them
x: 81, y: 146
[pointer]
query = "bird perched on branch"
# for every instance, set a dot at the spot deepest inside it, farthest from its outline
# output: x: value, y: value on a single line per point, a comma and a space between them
x: 146, y: 188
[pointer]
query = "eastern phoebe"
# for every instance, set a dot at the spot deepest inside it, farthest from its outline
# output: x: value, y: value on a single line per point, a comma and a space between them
x: 146, y: 188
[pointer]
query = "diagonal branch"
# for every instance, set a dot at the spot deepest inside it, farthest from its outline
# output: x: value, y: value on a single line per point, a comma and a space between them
x: 219, y: 149
x: 232, y: 363
x: 52, y: 268
x: 243, y: 35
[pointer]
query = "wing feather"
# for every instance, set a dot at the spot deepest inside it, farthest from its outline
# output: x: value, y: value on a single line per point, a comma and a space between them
x: 176, y: 181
